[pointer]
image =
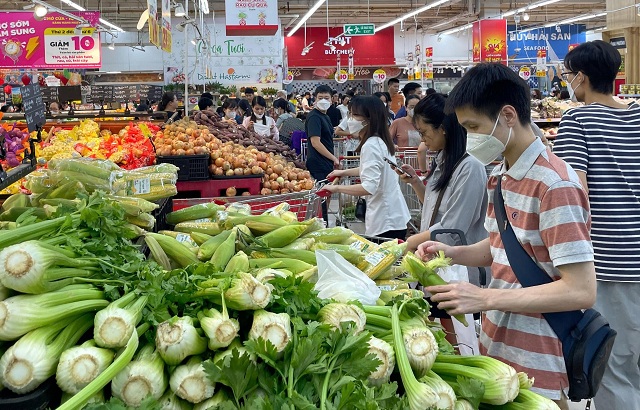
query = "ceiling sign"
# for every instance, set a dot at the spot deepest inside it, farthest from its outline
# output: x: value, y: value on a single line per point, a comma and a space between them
x: 251, y: 17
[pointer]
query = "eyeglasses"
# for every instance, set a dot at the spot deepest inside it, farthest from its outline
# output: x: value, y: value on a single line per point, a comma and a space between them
x: 564, y: 74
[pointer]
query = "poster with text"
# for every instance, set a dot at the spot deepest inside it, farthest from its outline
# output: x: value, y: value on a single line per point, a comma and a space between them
x: 52, y: 42
x: 166, y: 26
x: 251, y: 17
x: 493, y: 40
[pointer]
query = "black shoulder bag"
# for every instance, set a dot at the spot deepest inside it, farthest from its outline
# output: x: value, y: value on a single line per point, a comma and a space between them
x: 586, y: 337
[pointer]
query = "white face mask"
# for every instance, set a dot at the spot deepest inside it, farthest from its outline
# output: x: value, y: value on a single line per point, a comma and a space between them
x: 355, y: 126
x: 410, y: 112
x: 259, y: 116
x: 486, y: 148
x: 232, y: 114
x: 572, y: 91
x: 323, y: 105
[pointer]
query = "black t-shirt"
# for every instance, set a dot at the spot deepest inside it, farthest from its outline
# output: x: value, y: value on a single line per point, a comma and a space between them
x: 334, y: 115
x: 319, y: 125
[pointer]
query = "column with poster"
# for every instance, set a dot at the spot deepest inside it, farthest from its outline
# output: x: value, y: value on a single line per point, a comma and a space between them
x: 351, y: 70
x: 428, y: 63
x: 418, y: 64
x: 166, y: 26
x: 154, y: 31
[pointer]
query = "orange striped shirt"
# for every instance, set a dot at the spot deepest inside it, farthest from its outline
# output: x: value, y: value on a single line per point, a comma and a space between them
x: 549, y: 213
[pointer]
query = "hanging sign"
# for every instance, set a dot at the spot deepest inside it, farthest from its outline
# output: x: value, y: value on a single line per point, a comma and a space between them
x: 33, y: 106
x: 490, y: 40
x: 418, y: 66
x: 288, y: 79
x: 428, y: 63
x: 251, y: 17
x: 341, y: 77
x: 379, y: 76
x: 52, y: 42
x: 410, y: 75
x: 166, y: 26
x: 351, y: 68
x: 525, y: 73
x: 154, y: 29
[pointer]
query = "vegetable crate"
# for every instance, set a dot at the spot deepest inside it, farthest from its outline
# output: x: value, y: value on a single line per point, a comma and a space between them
x: 305, y: 204
x: 192, y: 167
x: 347, y: 203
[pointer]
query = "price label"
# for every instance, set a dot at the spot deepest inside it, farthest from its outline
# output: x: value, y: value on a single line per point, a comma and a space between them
x: 359, y: 246
x: 374, y: 258
x: 288, y: 79
x: 66, y: 49
x: 204, y: 220
x: 186, y: 238
x: 141, y: 186
x: 341, y: 77
x: 379, y: 76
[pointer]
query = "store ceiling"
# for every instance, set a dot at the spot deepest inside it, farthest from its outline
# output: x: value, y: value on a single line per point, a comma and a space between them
x: 125, y: 13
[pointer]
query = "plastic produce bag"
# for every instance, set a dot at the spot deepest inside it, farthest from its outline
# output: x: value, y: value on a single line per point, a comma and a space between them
x: 466, y: 336
x: 340, y: 280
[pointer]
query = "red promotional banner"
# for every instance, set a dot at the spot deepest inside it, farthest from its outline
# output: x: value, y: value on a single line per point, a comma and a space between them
x: 475, y: 31
x: 493, y: 41
x: 53, y: 42
x: 369, y: 51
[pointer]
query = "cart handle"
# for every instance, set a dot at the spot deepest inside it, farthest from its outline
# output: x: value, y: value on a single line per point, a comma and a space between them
x: 482, y: 271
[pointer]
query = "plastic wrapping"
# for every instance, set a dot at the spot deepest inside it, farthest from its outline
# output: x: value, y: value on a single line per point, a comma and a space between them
x: 340, y: 280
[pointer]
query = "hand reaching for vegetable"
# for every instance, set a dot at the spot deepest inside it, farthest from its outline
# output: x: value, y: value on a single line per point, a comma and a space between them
x: 430, y: 249
x: 458, y: 298
x: 250, y: 126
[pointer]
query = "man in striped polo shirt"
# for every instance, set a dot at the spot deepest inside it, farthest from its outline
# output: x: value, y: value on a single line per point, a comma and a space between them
x: 549, y: 212
x: 602, y: 142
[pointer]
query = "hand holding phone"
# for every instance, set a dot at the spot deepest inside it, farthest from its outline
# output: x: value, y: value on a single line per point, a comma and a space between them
x: 396, y: 167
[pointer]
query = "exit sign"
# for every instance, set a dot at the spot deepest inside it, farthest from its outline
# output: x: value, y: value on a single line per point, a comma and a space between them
x: 359, y: 29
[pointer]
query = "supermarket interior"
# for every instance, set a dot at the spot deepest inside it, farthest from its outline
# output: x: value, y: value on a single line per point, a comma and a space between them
x: 319, y: 204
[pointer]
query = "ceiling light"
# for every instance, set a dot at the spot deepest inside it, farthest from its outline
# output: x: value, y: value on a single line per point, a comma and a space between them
x: 144, y: 17
x: 411, y: 14
x: 193, y: 41
x: 455, y: 30
x: 40, y: 11
x: 179, y: 10
x: 112, y: 45
x: 528, y: 8
x: 306, y: 17
x: 113, y: 26
x: 526, y: 16
x: 114, y: 72
x: 80, y: 8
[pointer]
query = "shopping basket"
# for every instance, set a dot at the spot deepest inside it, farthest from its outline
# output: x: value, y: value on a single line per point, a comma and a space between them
x: 305, y: 204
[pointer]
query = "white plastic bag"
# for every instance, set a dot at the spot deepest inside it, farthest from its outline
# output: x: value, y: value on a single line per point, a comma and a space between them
x: 465, y: 335
x: 340, y: 280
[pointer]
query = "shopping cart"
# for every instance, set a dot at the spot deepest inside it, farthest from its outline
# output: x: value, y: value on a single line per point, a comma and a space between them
x: 339, y: 148
x: 409, y: 156
x: 347, y: 203
x: 305, y: 204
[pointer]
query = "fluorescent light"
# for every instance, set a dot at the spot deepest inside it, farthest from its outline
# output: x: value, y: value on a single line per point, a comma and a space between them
x: 306, y: 17
x: 526, y: 16
x: 74, y: 5
x: 457, y: 29
x: 179, y: 10
x: 113, y: 26
x: 411, y: 14
x: 114, y: 72
x: 528, y: 8
x: 80, y: 8
x: 567, y: 21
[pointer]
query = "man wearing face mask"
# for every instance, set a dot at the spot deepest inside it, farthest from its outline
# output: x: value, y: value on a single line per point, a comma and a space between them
x: 600, y: 140
x: 320, y: 158
x: 549, y: 212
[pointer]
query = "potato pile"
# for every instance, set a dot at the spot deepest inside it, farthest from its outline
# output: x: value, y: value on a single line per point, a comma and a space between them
x: 183, y: 138
x: 229, y: 131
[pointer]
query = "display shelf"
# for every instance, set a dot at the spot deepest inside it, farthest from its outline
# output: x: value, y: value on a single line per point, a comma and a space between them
x: 217, y: 187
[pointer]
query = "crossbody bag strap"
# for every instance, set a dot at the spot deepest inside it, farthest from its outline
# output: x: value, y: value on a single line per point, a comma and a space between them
x: 526, y: 270
x: 441, y: 193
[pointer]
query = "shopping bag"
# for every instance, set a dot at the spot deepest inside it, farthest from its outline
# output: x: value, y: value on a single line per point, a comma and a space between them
x: 361, y: 209
x: 465, y: 335
x: 340, y: 280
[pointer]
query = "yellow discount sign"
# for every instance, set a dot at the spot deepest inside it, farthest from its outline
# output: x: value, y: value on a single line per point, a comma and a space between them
x: 379, y: 76
x: 342, y: 76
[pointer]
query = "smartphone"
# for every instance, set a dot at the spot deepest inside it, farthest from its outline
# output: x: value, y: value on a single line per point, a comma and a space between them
x: 395, y: 166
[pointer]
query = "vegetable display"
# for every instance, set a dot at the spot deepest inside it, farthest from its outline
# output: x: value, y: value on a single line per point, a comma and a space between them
x: 226, y: 320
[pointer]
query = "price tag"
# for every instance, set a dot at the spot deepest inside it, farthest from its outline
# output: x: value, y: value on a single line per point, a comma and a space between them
x: 186, y: 238
x: 201, y: 220
x: 359, y: 246
x: 64, y: 48
x: 374, y: 258
x: 379, y: 76
x: 288, y: 79
x: 386, y: 287
x: 341, y: 77
x: 141, y: 186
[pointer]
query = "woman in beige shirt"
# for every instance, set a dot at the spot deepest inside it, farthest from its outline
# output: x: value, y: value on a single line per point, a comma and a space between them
x: 403, y: 132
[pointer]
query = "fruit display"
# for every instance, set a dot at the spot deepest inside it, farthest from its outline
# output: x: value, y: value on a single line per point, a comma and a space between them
x: 551, y: 107
x: 231, y: 132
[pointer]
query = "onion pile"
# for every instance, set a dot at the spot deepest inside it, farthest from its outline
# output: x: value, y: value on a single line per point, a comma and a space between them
x: 183, y: 138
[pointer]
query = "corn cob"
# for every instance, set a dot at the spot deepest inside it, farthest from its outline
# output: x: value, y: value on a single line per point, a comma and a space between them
x: 358, y: 242
x: 259, y: 224
x: 143, y: 204
x: 210, y: 228
x: 382, y: 259
x: 181, y: 237
x: 89, y: 181
x: 157, y: 252
x: 301, y: 243
x: 352, y: 255
x: 158, y: 168
x: 289, y: 217
x: 14, y: 213
x: 225, y: 252
x: 19, y: 200
x: 239, y: 263
x: 283, y: 236
x: 387, y: 295
x: 293, y: 265
x: 239, y: 209
x: 144, y: 220
x: 208, y: 248
x: 338, y: 234
x: 302, y: 255
x: 92, y: 168
x: 70, y: 190
x: 391, y: 284
x: 391, y: 273
x: 159, y: 192
x: 175, y: 250
x: 199, y: 238
x: 313, y: 224
x: 278, y: 209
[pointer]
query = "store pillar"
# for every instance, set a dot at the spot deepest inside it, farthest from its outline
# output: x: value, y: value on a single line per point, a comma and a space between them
x: 625, y: 23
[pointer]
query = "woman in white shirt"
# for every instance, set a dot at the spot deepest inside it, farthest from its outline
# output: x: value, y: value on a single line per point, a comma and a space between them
x: 387, y: 213
x: 259, y: 122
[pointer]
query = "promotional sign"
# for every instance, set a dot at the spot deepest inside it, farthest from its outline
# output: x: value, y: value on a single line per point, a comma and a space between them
x: 428, y: 63
x: 557, y: 41
x: 288, y: 79
x: 541, y: 61
x: 490, y: 40
x: 368, y: 49
x: 476, y: 41
x: 618, y: 42
x: 341, y: 77
x: 154, y: 28
x: 251, y: 17
x: 525, y: 73
x: 33, y: 107
x: 418, y: 69
x: 351, y: 64
x: 166, y: 26
x: 359, y: 29
x: 379, y: 76
x: 410, y: 76
x: 52, y: 42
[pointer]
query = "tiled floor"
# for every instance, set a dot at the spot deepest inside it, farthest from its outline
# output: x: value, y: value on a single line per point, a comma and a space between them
x: 580, y: 406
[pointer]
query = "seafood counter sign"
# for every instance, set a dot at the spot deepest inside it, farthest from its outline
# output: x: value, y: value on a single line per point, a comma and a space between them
x: 52, y: 42
x: 251, y: 17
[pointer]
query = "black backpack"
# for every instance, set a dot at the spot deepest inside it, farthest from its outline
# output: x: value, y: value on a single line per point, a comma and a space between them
x: 586, y: 337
